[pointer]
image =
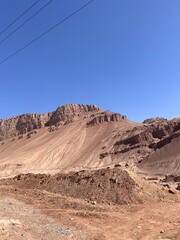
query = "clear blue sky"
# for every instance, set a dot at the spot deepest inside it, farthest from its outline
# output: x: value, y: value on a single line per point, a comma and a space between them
x: 123, y: 55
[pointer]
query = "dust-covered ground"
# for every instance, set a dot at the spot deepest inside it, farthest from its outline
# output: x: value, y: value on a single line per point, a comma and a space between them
x: 30, y: 210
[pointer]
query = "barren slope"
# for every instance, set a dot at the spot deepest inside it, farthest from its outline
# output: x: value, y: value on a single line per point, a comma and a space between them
x: 165, y: 160
x: 76, y: 218
x: 76, y: 176
x: 76, y: 137
x: 72, y: 147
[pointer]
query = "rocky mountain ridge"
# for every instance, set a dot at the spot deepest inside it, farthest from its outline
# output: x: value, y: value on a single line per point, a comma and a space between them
x: 63, y: 115
x: 153, y: 133
x: 22, y: 124
x: 85, y: 135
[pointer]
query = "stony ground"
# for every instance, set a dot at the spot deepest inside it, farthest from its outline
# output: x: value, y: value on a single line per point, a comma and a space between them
x: 39, y: 214
x: 20, y: 221
x: 83, y: 183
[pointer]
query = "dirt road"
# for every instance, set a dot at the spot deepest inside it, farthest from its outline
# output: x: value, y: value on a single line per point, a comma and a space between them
x: 35, y: 214
x: 19, y: 221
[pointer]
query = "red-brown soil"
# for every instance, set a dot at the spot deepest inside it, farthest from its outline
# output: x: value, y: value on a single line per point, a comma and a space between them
x: 77, y: 137
x: 84, y: 218
x: 113, y: 186
x: 59, y: 180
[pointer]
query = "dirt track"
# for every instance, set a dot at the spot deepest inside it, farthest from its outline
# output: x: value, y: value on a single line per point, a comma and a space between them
x: 70, y: 218
x: 76, y: 176
x: 19, y: 221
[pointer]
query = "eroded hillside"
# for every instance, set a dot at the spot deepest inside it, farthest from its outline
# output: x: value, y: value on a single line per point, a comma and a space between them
x: 77, y: 137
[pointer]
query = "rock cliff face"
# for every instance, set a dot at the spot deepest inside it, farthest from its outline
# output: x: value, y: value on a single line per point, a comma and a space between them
x: 153, y: 134
x: 154, y: 120
x: 27, y: 122
x: 91, y: 138
x: 70, y: 112
x: 22, y: 124
x: 106, y: 116
x: 142, y: 140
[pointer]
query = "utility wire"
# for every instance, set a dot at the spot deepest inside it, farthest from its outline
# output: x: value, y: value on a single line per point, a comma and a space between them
x: 46, y: 32
x: 26, y: 21
x: 15, y: 20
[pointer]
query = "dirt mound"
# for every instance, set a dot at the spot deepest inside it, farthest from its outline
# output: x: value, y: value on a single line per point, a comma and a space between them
x: 102, y: 186
x: 36, y: 209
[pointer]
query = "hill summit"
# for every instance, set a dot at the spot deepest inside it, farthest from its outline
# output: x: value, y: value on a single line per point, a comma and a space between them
x: 76, y: 137
x: 65, y: 114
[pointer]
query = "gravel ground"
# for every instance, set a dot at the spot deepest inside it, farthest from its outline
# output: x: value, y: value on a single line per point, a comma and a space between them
x: 19, y: 221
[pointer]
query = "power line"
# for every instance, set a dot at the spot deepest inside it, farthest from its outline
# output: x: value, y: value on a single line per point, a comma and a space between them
x: 46, y: 32
x: 15, y: 20
x: 26, y: 21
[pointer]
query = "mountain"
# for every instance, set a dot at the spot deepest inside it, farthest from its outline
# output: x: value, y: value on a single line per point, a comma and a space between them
x: 25, y: 123
x: 80, y: 172
x: 76, y: 137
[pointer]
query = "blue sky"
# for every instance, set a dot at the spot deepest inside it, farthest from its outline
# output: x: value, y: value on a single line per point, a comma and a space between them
x: 123, y: 55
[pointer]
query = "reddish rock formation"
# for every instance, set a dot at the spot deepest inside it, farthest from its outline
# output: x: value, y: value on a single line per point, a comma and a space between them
x: 154, y: 120
x: 106, y: 116
x: 142, y: 140
x: 69, y: 112
x: 27, y: 122
x: 22, y: 124
x: 116, y: 140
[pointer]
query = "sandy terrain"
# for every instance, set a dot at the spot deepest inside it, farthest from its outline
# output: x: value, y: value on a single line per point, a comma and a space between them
x: 72, y: 147
x: 19, y: 221
x: 38, y: 214
x: 78, y: 179
x: 163, y: 160
x: 78, y: 137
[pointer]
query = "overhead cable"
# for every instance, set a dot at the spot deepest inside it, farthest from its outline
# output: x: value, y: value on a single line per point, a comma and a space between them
x: 1, y: 41
x: 46, y: 32
x: 22, y: 14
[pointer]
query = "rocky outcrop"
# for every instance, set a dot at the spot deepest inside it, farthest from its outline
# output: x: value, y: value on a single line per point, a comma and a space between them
x: 164, y: 141
x: 145, y: 136
x: 155, y: 134
x: 133, y: 141
x: 27, y: 122
x: 22, y: 124
x: 106, y: 116
x: 154, y: 120
x: 171, y: 178
x: 164, y: 132
x: 70, y: 112
x: 144, y: 139
x: 161, y: 127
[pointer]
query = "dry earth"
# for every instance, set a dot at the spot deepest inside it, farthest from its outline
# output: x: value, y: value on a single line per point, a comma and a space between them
x: 58, y: 179
x: 77, y: 137
x: 72, y: 147
x: 39, y: 214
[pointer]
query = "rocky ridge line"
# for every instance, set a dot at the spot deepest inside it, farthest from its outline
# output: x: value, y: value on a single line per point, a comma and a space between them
x: 106, y: 116
x: 25, y: 123
x: 141, y: 140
